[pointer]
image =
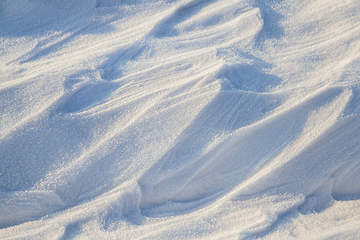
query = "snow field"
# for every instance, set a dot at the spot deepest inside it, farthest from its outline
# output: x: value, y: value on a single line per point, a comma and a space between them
x: 189, y: 119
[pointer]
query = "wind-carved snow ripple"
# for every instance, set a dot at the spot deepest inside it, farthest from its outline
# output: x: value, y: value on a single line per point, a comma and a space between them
x: 85, y: 90
x: 248, y: 77
x: 216, y: 171
x: 196, y: 170
x: 168, y: 27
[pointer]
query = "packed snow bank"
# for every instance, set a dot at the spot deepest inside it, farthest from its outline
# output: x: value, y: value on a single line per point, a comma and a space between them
x: 179, y: 119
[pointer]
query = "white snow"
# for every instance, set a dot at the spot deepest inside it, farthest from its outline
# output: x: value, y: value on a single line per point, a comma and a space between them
x: 179, y: 119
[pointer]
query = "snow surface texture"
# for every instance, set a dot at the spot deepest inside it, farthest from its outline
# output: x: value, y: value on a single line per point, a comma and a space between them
x: 188, y: 119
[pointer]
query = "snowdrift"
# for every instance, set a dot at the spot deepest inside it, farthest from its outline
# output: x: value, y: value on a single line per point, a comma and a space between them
x: 188, y: 119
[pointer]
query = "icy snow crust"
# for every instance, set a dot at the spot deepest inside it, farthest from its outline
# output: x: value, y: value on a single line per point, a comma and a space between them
x: 188, y: 119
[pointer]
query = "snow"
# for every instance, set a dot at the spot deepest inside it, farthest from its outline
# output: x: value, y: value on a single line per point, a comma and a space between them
x: 179, y: 119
